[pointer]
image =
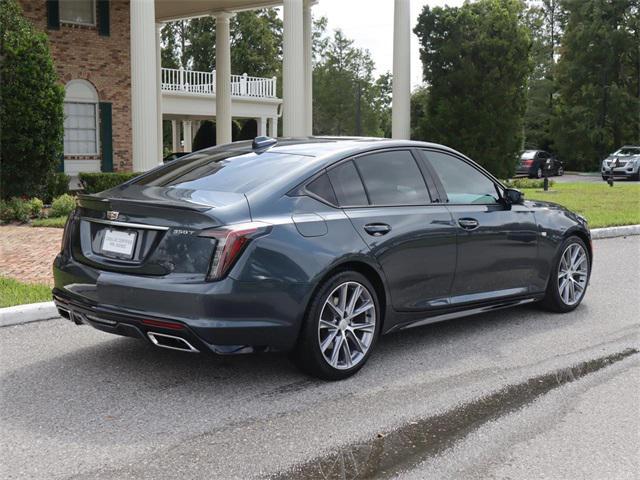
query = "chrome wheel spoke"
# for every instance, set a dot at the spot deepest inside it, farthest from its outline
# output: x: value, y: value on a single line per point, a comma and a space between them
x: 364, y: 327
x: 335, y: 354
x: 327, y: 341
x: 356, y: 342
x: 348, y: 362
x: 362, y: 309
x: 329, y: 325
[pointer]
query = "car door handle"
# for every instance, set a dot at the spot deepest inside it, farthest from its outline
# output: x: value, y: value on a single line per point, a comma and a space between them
x: 377, y: 229
x: 468, y: 223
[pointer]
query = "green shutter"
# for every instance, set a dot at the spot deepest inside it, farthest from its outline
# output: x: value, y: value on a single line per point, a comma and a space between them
x: 53, y: 14
x: 106, y: 140
x: 103, y: 17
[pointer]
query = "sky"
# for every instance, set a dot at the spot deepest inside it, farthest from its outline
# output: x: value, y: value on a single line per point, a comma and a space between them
x: 370, y: 24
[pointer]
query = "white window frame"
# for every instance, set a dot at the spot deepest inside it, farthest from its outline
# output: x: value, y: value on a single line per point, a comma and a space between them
x: 86, y: 24
x: 89, y: 98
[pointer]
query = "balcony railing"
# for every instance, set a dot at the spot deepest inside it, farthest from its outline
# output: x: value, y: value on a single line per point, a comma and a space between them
x: 190, y: 81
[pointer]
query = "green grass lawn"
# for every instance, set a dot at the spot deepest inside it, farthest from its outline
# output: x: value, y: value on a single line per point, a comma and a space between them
x: 602, y: 205
x: 13, y: 292
x: 56, y: 222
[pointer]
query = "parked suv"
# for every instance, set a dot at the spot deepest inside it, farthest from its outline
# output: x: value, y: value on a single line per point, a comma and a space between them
x: 315, y: 245
x: 533, y: 163
x: 623, y: 163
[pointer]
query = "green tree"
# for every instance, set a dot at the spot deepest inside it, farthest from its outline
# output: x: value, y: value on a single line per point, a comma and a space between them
x: 31, y: 106
x: 256, y: 39
x: 256, y: 43
x: 344, y: 91
x: 545, y: 22
x: 598, y: 74
x: 419, y: 106
x: 476, y: 60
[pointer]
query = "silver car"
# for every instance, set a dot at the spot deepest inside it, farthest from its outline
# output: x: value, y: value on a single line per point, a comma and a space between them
x: 623, y: 163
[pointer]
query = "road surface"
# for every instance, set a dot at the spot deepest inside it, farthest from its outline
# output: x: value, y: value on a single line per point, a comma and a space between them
x: 516, y: 394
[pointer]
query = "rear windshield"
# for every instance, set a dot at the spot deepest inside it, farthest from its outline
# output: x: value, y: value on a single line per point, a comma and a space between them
x: 228, y: 171
x: 528, y: 155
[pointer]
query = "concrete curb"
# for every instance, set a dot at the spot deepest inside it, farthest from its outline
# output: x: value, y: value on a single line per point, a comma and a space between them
x: 611, y: 232
x: 37, y: 312
x: 32, y: 312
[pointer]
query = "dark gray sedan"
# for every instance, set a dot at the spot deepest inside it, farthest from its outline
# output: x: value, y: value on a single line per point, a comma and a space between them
x: 316, y: 246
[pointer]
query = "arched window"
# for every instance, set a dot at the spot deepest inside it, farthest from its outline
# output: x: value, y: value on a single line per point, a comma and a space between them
x: 80, y: 118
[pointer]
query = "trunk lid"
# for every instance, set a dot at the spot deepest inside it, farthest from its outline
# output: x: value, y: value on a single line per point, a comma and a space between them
x: 148, y: 230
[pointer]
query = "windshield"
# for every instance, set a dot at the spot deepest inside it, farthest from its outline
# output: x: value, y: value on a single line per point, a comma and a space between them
x: 226, y: 171
x: 625, y: 151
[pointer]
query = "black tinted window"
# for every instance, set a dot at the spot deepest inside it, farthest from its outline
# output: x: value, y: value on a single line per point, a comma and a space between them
x: 462, y: 182
x: 392, y: 178
x: 224, y: 171
x: 347, y: 185
x: 321, y: 187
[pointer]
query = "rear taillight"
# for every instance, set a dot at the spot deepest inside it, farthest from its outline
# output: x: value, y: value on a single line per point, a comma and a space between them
x: 230, y: 243
x: 527, y: 163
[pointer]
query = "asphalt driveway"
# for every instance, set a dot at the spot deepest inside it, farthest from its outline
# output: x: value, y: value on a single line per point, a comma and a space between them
x: 513, y: 394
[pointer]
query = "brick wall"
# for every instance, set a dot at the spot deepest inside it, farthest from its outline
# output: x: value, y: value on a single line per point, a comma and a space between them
x: 80, y: 53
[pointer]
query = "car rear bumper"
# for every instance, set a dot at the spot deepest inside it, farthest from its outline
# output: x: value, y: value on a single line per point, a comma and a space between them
x: 227, y: 316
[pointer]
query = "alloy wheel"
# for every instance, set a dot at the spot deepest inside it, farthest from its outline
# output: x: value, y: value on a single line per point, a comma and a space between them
x: 573, y: 272
x: 347, y: 325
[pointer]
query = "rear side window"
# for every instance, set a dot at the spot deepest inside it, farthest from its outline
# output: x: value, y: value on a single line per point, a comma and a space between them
x: 392, y: 178
x: 462, y: 182
x: 347, y: 185
x: 321, y: 187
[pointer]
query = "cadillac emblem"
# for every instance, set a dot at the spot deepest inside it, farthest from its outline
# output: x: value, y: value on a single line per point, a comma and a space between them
x: 111, y: 215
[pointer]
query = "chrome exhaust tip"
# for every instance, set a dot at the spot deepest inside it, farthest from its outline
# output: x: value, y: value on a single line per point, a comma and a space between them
x: 171, y: 342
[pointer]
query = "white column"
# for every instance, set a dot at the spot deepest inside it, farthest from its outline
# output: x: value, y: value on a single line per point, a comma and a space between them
x: 273, y: 127
x: 159, y: 90
x: 307, y: 29
x: 144, y: 88
x: 262, y: 126
x: 293, y: 84
x: 186, y: 129
x: 223, y: 79
x: 401, y: 109
x: 175, y: 135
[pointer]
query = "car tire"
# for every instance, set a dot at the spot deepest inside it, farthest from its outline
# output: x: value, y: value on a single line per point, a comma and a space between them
x: 539, y: 172
x: 560, y: 171
x: 571, y: 274
x: 332, y: 353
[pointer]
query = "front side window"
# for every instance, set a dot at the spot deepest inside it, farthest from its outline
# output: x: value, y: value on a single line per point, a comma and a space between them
x: 462, y: 182
x: 81, y: 12
x: 80, y: 128
x: 392, y: 178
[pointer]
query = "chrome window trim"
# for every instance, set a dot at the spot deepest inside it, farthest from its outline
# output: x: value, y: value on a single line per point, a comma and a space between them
x: 125, y: 224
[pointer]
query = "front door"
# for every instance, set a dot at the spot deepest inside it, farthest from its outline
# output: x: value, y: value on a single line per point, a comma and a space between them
x: 497, y: 243
x: 386, y: 197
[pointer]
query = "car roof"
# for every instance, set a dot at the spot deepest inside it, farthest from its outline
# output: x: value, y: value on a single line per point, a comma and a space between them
x: 329, y: 147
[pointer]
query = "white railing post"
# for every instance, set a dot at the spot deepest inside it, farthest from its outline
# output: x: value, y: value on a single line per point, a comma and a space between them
x: 273, y: 87
x: 181, y: 74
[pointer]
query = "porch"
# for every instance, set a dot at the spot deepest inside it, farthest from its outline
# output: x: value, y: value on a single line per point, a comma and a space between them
x: 189, y: 97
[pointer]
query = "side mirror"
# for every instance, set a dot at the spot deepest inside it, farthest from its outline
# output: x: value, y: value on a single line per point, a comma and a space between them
x: 513, y: 196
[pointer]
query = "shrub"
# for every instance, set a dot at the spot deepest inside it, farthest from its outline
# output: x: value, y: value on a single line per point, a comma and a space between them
x: 527, y: 183
x: 57, y: 184
x: 36, y: 207
x: 15, y: 209
x: 31, y: 106
x: 63, y: 205
x: 97, y: 182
